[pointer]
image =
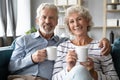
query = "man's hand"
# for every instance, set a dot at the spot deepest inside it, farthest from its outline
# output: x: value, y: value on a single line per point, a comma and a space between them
x: 105, y: 45
x: 39, y: 56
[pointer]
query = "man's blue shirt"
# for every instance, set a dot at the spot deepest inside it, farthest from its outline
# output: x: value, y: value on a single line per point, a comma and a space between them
x: 21, y: 62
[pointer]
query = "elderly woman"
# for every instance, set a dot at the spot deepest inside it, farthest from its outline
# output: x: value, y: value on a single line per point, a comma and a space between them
x: 97, y: 67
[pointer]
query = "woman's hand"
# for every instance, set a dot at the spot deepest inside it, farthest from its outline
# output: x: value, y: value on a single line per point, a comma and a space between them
x: 89, y: 65
x: 71, y: 59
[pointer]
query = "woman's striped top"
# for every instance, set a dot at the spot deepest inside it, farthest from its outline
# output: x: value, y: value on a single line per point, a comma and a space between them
x: 102, y: 64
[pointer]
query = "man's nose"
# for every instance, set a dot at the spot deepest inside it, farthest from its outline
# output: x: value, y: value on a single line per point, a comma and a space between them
x: 47, y: 20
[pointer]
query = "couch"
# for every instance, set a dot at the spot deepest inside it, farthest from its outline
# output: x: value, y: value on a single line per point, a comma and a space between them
x: 116, y: 55
x: 5, y: 54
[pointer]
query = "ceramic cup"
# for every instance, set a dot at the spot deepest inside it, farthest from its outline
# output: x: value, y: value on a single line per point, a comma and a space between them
x: 82, y: 53
x: 51, y: 52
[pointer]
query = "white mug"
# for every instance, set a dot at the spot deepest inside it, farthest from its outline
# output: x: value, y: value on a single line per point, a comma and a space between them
x: 82, y: 53
x: 51, y: 52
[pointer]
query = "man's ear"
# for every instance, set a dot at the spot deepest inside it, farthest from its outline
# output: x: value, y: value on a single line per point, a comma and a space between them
x: 37, y: 21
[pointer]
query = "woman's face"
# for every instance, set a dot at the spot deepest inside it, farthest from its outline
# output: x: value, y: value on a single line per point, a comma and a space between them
x: 77, y: 24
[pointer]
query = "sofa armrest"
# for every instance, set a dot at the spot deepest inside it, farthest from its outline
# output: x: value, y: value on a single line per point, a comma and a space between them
x: 5, y: 54
x: 116, y: 55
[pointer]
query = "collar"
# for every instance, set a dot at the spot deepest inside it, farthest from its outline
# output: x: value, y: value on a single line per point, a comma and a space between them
x: 37, y: 35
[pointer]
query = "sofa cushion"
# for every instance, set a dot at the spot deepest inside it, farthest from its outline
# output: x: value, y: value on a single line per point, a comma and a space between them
x: 5, y: 54
x: 116, y: 55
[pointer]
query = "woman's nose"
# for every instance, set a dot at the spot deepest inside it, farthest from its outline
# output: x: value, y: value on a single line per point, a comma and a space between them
x: 76, y: 23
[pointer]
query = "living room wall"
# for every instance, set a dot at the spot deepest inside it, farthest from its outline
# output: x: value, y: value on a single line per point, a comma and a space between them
x: 96, y: 9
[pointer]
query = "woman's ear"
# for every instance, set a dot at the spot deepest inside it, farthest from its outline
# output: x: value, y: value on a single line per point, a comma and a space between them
x: 68, y: 24
x: 88, y: 23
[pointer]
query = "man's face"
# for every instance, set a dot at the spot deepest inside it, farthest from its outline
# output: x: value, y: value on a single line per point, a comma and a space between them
x: 47, y: 21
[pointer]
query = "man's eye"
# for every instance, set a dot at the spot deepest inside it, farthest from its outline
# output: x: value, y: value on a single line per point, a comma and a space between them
x: 71, y: 21
x: 44, y: 17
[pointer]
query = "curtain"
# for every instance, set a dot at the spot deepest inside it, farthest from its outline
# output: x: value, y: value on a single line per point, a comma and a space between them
x: 7, y: 22
x: 23, y: 17
x: 11, y: 24
x: 3, y: 18
x: 15, y: 19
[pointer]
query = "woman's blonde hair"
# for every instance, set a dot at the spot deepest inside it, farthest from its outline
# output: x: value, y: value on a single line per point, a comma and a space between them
x: 80, y: 10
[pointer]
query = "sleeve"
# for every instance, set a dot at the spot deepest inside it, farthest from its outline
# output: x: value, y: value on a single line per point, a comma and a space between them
x: 107, y: 71
x: 59, y: 72
x: 19, y: 60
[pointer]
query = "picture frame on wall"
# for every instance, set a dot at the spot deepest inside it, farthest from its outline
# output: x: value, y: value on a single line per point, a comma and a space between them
x: 61, y: 2
x: 72, y: 2
x: 67, y: 2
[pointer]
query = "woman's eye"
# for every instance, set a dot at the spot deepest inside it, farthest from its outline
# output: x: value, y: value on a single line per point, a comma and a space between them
x: 79, y: 18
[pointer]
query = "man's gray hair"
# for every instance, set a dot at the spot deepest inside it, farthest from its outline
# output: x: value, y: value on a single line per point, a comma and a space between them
x: 46, y: 5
